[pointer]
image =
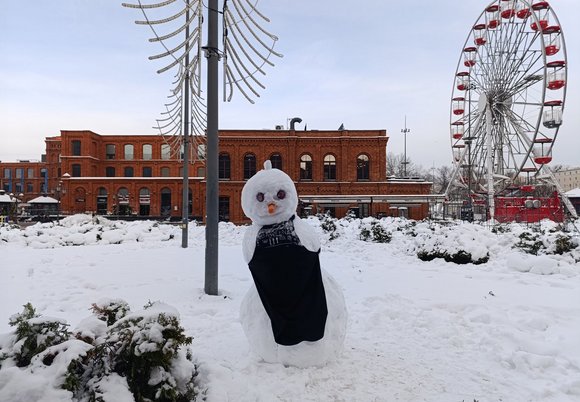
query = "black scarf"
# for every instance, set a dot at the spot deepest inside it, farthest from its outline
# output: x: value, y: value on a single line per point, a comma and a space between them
x: 289, y: 283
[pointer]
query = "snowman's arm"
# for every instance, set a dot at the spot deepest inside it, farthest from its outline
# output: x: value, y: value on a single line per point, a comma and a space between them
x: 249, y: 242
x: 307, y: 235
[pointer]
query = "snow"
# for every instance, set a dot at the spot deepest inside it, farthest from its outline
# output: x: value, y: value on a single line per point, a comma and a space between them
x: 507, y: 329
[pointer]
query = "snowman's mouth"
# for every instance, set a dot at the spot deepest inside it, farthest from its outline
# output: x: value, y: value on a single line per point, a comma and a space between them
x: 272, y: 208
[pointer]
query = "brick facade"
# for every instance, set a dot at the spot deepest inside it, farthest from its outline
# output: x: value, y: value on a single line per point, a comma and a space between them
x: 137, y: 175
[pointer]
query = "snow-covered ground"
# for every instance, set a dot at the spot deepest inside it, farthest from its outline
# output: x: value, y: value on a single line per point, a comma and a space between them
x: 504, y: 330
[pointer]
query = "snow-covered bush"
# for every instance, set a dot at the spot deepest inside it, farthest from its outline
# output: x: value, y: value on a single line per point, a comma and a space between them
x: 538, y: 240
x: 530, y: 243
x: 372, y: 230
x: 144, y: 351
x: 328, y: 225
x: 460, y: 244
x: 110, y: 310
x: 32, y: 336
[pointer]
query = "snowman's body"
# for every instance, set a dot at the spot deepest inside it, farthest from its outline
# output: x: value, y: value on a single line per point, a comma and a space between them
x: 295, y: 314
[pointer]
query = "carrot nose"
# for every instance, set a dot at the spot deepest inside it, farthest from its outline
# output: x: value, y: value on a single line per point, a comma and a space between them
x: 271, y: 208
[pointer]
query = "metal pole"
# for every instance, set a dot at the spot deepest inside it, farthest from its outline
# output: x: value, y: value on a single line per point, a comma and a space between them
x: 212, y: 185
x: 490, y: 189
x: 405, y: 131
x: 185, y: 190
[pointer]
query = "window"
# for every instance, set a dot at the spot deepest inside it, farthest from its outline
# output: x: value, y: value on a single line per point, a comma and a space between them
x: 110, y: 171
x: 18, y: 187
x: 276, y: 160
x: 7, y: 173
x: 147, y: 171
x: 147, y: 152
x: 110, y: 151
x: 201, y: 151
x: 76, y: 170
x: 329, y: 167
x: 129, y: 151
x: 29, y: 188
x: 305, y: 167
x: 224, y: 166
x: 362, y: 167
x: 224, y: 209
x: 200, y: 172
x: 30, y: 173
x: 76, y: 147
x: 249, y: 166
x: 129, y: 172
x: 165, y: 151
x: 164, y: 172
x: 19, y: 173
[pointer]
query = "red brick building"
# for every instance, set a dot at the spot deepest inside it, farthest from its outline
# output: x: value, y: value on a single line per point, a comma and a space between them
x: 142, y: 175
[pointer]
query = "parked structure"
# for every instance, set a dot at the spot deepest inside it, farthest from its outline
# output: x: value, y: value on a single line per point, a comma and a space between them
x: 334, y: 171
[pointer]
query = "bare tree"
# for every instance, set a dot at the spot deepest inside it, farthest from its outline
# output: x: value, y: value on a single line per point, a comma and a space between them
x: 441, y: 178
x: 396, y: 167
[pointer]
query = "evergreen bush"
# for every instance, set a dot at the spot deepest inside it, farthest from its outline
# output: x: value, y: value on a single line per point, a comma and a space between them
x: 33, y: 335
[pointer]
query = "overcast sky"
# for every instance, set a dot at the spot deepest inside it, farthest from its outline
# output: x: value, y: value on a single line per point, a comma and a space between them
x: 82, y: 64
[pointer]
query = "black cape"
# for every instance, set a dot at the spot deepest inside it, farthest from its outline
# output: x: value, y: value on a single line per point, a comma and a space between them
x: 289, y: 283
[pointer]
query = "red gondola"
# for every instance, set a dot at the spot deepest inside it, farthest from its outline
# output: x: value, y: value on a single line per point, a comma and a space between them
x: 542, y: 9
x: 557, y: 78
x: 541, y: 155
x: 463, y: 80
x: 552, y: 40
x: 492, y: 16
x: 457, y: 130
x: 469, y: 55
x: 480, y: 34
x: 458, y: 106
x: 508, y: 9
x: 552, y: 114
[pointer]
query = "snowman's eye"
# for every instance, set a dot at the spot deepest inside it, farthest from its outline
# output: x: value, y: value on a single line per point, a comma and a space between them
x: 281, y: 194
x: 260, y: 197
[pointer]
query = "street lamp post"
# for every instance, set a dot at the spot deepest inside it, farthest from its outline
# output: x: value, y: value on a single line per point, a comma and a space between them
x: 405, y: 131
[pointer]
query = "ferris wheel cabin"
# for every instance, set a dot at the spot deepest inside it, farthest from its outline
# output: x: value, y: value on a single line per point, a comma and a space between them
x: 542, y: 12
x: 557, y: 75
x: 492, y: 16
x: 508, y: 9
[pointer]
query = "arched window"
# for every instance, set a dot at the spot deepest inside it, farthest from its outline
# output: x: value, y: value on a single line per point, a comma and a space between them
x: 165, y: 202
x: 129, y: 171
x: 165, y: 151
x: 144, y: 201
x: 362, y: 167
x: 305, y: 167
x: 164, y: 172
x: 224, y: 166
x: 129, y: 151
x: 276, y: 160
x: 329, y: 167
x: 249, y: 166
x: 102, y: 201
x: 147, y: 152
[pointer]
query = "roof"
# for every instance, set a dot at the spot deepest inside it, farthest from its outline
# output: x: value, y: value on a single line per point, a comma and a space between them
x: 6, y: 198
x: 574, y: 193
x: 43, y: 200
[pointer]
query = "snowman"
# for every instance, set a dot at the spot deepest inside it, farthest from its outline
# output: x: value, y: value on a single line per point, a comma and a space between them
x: 294, y: 313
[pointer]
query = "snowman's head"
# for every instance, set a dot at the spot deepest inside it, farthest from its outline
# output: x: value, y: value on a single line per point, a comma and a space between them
x: 269, y: 196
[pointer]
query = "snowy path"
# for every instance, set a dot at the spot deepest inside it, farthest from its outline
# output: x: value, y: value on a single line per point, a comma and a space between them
x: 418, y: 331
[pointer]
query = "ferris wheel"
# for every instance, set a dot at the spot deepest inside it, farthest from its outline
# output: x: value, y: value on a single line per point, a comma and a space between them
x: 508, y: 98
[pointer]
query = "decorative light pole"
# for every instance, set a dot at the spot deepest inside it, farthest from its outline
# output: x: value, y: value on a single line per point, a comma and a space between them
x: 405, y: 163
x: 243, y: 59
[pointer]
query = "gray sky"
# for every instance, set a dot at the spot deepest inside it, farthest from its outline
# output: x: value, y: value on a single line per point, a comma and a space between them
x: 82, y: 64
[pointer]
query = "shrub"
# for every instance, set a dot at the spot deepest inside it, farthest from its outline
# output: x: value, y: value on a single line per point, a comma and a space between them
x: 146, y: 348
x: 33, y: 335
x: 376, y: 232
x: 530, y: 243
x: 564, y: 244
